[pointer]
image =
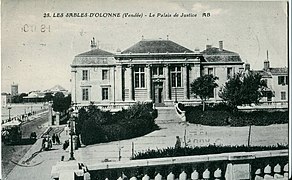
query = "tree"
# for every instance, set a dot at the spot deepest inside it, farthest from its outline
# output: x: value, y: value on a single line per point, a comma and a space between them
x: 48, y: 97
x: 204, y: 87
x: 60, y: 102
x: 243, y: 89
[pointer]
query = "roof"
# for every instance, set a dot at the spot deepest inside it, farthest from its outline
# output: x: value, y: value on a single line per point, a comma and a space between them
x: 93, y: 57
x: 96, y: 52
x: 214, y: 54
x: 156, y: 46
x: 263, y: 73
x: 57, y: 88
x: 279, y: 70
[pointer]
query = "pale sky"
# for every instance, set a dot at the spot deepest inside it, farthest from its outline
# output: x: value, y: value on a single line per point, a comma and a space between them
x: 38, y: 60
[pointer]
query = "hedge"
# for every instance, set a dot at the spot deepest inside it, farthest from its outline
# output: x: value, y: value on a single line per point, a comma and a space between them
x: 204, y: 150
x: 221, y: 115
x: 99, y: 126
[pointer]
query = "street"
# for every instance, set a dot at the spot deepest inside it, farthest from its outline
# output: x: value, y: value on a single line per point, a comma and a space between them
x: 11, y: 154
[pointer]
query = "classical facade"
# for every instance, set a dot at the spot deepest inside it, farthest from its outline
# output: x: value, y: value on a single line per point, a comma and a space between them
x: 158, y: 71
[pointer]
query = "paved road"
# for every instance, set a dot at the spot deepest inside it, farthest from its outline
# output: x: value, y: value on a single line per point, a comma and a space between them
x: 13, y: 153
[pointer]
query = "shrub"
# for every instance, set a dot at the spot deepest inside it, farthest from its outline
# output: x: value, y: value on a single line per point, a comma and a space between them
x: 136, y: 121
x: 221, y: 115
x: 211, y: 149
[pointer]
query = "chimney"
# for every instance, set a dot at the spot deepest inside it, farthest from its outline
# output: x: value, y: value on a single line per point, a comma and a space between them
x: 208, y: 46
x: 247, y: 67
x: 220, y: 45
x: 93, y: 44
x: 267, y: 63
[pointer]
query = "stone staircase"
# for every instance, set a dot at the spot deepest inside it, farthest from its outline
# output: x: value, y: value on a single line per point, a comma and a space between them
x: 167, y: 115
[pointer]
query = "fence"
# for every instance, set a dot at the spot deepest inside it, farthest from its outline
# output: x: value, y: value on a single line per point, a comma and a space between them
x: 227, y: 166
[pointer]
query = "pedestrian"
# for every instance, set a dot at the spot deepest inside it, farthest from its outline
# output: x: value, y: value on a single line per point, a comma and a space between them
x: 67, y: 129
x: 43, y: 143
x: 57, y: 139
x: 178, y: 143
x: 54, y: 138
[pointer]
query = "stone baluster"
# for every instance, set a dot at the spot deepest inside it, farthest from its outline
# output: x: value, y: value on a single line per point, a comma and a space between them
x: 133, y: 178
x: 218, y: 174
x: 195, y: 175
x: 145, y: 177
x: 268, y: 171
x: 183, y: 176
x: 158, y: 177
x: 120, y: 178
x: 206, y: 174
x: 286, y: 169
x: 86, y: 176
x: 277, y: 171
x: 170, y: 176
x: 106, y: 179
x: 258, y: 175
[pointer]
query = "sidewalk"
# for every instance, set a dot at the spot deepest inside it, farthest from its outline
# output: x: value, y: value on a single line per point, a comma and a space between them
x: 37, y: 165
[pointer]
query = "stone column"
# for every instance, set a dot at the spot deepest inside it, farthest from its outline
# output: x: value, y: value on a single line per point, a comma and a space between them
x: 131, y: 83
x: 166, y: 72
x: 148, y: 79
x: 118, y: 83
x: 185, y: 80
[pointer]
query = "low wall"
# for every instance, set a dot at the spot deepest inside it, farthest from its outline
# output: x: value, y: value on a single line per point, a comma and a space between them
x: 229, y: 166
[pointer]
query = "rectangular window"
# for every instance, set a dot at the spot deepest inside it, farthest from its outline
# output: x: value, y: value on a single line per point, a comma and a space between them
x: 154, y: 70
x: 85, y: 75
x: 283, y: 95
x: 176, y: 77
x: 210, y: 71
x: 281, y: 80
x: 287, y: 80
x: 104, y: 74
x: 104, y: 92
x: 229, y: 72
x: 160, y: 71
x: 85, y: 95
x: 139, y: 77
x: 211, y: 95
x: 157, y: 70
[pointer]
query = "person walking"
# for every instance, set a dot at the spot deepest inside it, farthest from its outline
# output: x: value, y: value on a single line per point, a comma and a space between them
x: 57, y: 139
x: 54, y: 138
x: 178, y: 142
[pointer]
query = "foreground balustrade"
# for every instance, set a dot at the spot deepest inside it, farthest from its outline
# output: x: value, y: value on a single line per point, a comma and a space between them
x: 260, y: 165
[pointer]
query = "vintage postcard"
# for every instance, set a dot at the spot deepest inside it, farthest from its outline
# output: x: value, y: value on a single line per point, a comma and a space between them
x: 131, y: 89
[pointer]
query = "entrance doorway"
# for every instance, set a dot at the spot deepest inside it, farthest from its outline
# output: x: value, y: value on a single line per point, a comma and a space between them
x: 158, y: 92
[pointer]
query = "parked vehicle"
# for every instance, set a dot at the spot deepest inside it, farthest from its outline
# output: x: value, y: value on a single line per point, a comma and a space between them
x: 11, y: 132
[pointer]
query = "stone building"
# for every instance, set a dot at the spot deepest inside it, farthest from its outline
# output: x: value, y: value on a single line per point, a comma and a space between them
x: 277, y: 82
x: 158, y: 71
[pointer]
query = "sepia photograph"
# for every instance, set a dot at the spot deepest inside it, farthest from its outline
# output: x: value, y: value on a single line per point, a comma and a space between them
x: 140, y: 90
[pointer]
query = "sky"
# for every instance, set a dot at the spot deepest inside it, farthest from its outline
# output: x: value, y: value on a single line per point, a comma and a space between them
x: 36, y: 51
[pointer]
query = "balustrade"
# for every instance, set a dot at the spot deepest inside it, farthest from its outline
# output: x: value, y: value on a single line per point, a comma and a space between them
x: 228, y: 166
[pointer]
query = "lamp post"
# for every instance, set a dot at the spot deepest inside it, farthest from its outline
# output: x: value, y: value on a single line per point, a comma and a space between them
x: 73, y: 116
x: 9, y: 118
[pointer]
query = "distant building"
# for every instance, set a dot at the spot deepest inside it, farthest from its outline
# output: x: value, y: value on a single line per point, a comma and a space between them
x: 158, y: 71
x: 14, y: 89
x: 40, y: 96
x: 277, y: 81
x: 5, y: 99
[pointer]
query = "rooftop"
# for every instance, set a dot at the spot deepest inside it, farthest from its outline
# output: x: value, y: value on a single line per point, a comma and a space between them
x: 96, y: 52
x: 156, y: 46
x: 214, y: 54
x: 283, y: 70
